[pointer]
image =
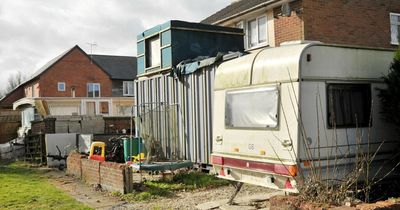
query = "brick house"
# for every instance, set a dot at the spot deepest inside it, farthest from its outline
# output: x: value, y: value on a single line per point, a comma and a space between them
x: 75, y: 83
x: 268, y: 23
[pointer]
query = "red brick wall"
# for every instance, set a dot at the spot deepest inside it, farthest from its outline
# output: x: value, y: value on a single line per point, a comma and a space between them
x: 76, y: 70
x: 111, y: 176
x: 90, y: 171
x: 288, y: 28
x: 74, y: 164
x: 116, y: 124
x: 350, y: 22
x: 32, y: 89
x: 8, y: 101
x: 38, y: 127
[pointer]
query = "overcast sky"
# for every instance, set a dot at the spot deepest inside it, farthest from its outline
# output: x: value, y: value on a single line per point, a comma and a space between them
x: 32, y: 32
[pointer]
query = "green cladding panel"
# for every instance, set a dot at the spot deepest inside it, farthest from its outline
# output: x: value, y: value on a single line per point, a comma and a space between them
x: 181, y: 40
x: 140, y: 65
x: 166, y: 38
x: 140, y: 48
x: 166, y: 57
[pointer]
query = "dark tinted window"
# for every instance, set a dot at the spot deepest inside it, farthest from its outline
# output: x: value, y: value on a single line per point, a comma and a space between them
x: 349, y: 105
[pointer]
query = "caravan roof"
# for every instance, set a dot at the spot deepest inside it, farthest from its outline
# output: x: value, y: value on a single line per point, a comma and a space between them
x: 307, y: 61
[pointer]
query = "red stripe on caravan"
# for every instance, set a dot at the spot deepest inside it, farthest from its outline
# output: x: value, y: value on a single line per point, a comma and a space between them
x: 289, y: 170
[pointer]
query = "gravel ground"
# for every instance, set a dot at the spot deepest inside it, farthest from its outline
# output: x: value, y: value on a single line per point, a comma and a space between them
x: 189, y: 200
x: 181, y: 200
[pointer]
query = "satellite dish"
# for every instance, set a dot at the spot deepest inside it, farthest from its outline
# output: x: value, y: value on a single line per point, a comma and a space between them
x: 286, y: 10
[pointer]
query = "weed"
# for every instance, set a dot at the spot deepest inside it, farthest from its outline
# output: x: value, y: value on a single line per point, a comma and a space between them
x: 167, y: 188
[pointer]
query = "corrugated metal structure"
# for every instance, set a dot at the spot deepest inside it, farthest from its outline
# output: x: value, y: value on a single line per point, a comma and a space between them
x: 173, y: 91
x: 178, y: 113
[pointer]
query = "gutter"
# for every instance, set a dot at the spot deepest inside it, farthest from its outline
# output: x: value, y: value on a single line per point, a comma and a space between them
x: 252, y: 9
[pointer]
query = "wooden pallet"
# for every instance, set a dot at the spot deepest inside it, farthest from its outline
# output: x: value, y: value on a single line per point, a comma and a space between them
x: 35, y: 148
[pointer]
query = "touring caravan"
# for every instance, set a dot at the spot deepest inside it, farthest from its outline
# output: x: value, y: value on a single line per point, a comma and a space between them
x: 280, y: 112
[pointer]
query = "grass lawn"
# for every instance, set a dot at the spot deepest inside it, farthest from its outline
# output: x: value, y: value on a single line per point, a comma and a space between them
x: 25, y: 188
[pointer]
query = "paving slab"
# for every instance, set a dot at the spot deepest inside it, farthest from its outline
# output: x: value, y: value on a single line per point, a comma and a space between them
x: 236, y: 207
x: 243, y: 203
x: 257, y: 197
x: 211, y: 204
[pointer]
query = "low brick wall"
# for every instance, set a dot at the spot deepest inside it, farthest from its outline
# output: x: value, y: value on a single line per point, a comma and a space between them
x: 90, y: 171
x: 111, y: 176
x: 116, y: 176
x: 74, y: 164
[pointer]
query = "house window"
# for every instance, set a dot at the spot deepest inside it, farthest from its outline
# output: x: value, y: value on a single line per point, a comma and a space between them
x: 257, y: 32
x: 349, y: 105
x: 93, y: 90
x: 395, y: 27
x: 61, y: 86
x: 128, y: 88
x: 255, y: 108
x: 104, y: 109
x: 153, y: 52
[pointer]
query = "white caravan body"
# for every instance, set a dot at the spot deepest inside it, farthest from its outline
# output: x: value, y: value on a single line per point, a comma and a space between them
x: 273, y: 109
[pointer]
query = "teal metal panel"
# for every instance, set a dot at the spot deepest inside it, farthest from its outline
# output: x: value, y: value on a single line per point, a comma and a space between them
x: 166, y: 57
x: 165, y: 38
x: 140, y: 48
x: 165, y: 25
x: 190, y: 44
x: 186, y: 41
x: 140, y: 65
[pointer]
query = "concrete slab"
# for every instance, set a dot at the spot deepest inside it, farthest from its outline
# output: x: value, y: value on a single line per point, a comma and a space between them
x: 66, y: 143
x: 236, y: 207
x: 84, y: 142
x: 211, y: 205
x: 61, y: 129
x: 243, y: 202
x: 74, y: 127
x: 257, y: 197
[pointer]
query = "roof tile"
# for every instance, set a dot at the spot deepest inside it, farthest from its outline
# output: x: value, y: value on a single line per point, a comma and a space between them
x: 232, y: 9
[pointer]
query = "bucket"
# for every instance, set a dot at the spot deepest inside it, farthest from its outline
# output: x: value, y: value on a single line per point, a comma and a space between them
x: 127, y: 149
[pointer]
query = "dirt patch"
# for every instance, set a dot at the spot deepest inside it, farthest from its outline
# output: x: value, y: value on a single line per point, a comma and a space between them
x: 92, y: 196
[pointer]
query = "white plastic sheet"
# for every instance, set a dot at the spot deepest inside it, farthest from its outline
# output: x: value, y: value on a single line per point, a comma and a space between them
x: 252, y: 108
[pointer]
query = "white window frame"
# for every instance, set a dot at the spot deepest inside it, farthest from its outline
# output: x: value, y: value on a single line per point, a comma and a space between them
x: 125, y: 83
x: 94, y: 95
x: 153, y: 52
x: 242, y: 25
x: 248, y: 39
x: 58, y: 86
x: 394, y: 26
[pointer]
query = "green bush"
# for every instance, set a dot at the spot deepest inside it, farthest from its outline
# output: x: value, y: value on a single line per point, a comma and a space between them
x: 390, y: 97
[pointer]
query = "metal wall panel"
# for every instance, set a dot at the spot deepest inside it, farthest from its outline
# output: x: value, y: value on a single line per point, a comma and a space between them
x: 180, y: 112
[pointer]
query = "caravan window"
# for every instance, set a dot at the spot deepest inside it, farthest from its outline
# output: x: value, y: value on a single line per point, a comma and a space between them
x: 252, y: 108
x: 349, y: 105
